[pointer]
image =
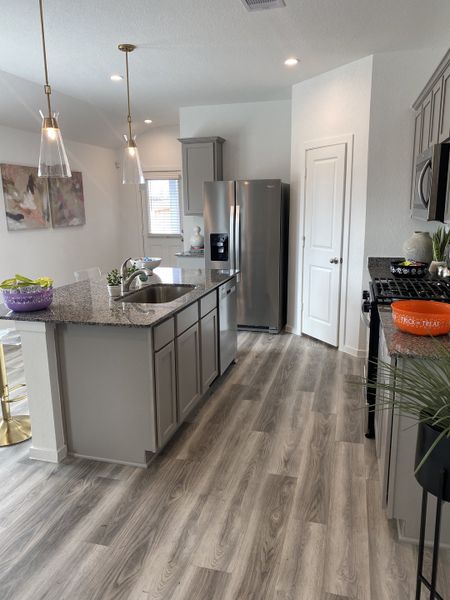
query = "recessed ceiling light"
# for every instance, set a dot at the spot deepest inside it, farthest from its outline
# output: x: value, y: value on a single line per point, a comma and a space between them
x: 291, y: 62
x: 116, y: 77
x: 148, y: 121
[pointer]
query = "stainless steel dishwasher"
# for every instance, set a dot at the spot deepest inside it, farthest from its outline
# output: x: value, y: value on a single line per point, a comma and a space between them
x: 227, y: 324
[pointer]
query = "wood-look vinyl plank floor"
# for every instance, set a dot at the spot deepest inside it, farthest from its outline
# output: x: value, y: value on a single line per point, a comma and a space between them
x: 269, y: 492
x: 301, y: 571
x: 259, y: 562
x: 347, y: 571
x: 312, y: 501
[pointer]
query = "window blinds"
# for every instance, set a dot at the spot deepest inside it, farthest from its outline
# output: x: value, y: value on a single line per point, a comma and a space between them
x: 163, y: 204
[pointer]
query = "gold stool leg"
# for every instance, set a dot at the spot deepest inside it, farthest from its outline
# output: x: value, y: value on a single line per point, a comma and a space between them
x: 13, y: 430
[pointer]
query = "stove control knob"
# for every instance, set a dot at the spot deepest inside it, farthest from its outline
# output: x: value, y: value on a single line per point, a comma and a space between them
x: 366, y: 306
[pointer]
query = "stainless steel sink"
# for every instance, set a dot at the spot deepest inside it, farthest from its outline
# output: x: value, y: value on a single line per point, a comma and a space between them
x: 158, y: 293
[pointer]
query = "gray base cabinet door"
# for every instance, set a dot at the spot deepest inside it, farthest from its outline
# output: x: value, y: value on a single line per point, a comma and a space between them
x: 188, y: 370
x: 165, y: 393
x: 209, y: 349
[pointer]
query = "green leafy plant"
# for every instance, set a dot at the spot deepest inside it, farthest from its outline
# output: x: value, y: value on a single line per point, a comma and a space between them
x: 19, y: 281
x: 422, y: 392
x: 113, y: 277
x: 131, y: 270
x: 440, y: 239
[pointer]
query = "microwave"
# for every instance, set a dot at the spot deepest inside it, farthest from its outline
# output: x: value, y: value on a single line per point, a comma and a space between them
x: 430, y: 183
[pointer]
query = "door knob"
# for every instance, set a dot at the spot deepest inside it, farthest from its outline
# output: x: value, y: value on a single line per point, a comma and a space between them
x: 334, y: 260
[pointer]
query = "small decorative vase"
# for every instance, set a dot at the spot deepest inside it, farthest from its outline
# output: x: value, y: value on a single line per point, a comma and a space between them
x: 114, y: 291
x: 429, y: 475
x: 435, y: 264
x: 419, y: 247
x: 197, y: 241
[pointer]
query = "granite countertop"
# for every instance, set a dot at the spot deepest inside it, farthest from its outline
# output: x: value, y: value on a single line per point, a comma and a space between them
x: 401, y: 344
x: 88, y: 302
x: 192, y: 253
x: 378, y: 266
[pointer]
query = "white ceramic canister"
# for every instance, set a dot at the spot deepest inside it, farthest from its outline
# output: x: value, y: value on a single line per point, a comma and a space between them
x: 419, y: 247
x: 197, y: 241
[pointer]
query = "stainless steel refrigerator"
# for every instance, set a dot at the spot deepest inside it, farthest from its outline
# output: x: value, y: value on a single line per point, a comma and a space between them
x: 246, y: 228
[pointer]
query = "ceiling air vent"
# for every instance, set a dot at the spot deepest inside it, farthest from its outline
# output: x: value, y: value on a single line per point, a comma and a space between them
x: 263, y: 4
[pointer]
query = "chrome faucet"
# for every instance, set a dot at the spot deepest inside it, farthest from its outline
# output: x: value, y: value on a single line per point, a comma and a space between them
x: 127, y: 281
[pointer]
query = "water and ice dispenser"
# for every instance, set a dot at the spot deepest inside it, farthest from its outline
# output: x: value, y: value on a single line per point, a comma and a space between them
x: 219, y: 246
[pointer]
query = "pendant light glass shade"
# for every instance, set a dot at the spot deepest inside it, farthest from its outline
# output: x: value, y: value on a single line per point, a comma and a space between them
x: 52, y: 156
x: 53, y: 160
x: 132, y: 170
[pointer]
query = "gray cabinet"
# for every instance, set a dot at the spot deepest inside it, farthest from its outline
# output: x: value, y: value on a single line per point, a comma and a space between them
x: 188, y: 370
x: 395, y: 439
x: 202, y: 161
x: 432, y: 115
x: 383, y: 427
x: 165, y: 393
x: 436, y: 97
x: 209, y: 349
x: 445, y: 106
x: 426, y: 123
x: 186, y: 362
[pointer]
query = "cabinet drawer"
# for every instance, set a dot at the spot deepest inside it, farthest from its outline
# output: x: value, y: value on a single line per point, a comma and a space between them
x: 186, y: 318
x: 163, y: 333
x: 208, y: 303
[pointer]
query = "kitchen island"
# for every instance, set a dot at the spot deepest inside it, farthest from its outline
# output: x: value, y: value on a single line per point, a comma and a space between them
x: 112, y: 380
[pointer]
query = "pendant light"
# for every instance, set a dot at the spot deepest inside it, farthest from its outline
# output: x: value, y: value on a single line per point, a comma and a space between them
x: 132, y: 170
x: 52, y: 157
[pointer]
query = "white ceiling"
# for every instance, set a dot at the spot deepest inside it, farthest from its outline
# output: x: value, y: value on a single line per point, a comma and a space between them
x: 189, y: 52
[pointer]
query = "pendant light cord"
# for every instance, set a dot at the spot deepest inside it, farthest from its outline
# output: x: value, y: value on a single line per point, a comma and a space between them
x: 47, y: 88
x: 128, y: 95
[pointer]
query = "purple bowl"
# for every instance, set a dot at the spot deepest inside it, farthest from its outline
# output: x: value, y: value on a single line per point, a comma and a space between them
x: 28, y: 301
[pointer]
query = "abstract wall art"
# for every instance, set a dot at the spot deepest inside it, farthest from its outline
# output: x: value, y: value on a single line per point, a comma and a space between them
x: 32, y: 202
x: 25, y: 197
x: 67, y: 201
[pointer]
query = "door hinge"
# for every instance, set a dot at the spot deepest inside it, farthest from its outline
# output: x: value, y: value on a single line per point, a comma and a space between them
x: 303, y: 241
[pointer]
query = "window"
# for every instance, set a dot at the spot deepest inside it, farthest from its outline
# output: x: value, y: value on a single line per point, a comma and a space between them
x: 162, y: 192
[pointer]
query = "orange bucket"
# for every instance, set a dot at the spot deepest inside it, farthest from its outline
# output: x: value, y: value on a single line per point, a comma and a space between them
x: 421, y: 317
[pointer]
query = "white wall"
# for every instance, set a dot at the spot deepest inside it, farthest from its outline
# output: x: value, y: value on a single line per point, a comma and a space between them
x: 333, y: 104
x: 159, y: 150
x: 58, y: 252
x: 398, y: 78
x: 258, y: 140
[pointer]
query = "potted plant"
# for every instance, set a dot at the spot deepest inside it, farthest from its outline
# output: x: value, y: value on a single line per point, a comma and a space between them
x: 114, y: 280
x: 440, y: 240
x: 22, y: 294
x: 422, y: 392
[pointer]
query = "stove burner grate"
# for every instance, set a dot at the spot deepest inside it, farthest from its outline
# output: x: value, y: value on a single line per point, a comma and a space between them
x: 414, y: 289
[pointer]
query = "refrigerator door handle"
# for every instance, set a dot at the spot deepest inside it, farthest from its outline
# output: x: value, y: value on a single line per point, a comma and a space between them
x: 238, y: 238
x: 232, y: 248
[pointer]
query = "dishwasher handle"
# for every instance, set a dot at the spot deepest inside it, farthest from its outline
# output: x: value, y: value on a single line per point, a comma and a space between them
x: 226, y: 292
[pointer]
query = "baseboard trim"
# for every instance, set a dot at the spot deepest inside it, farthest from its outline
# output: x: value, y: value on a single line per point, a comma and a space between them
x: 356, y: 352
x: 408, y: 540
x: 48, y: 455
x: 291, y: 329
x: 113, y: 461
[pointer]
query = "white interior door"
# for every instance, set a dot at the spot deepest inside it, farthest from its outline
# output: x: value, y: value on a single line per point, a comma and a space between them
x: 323, y: 243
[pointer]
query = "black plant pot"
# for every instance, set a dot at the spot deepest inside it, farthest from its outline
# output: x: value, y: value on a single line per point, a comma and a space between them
x: 430, y: 474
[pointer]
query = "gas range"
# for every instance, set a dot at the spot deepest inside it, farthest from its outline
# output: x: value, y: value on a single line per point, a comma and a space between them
x: 383, y: 291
